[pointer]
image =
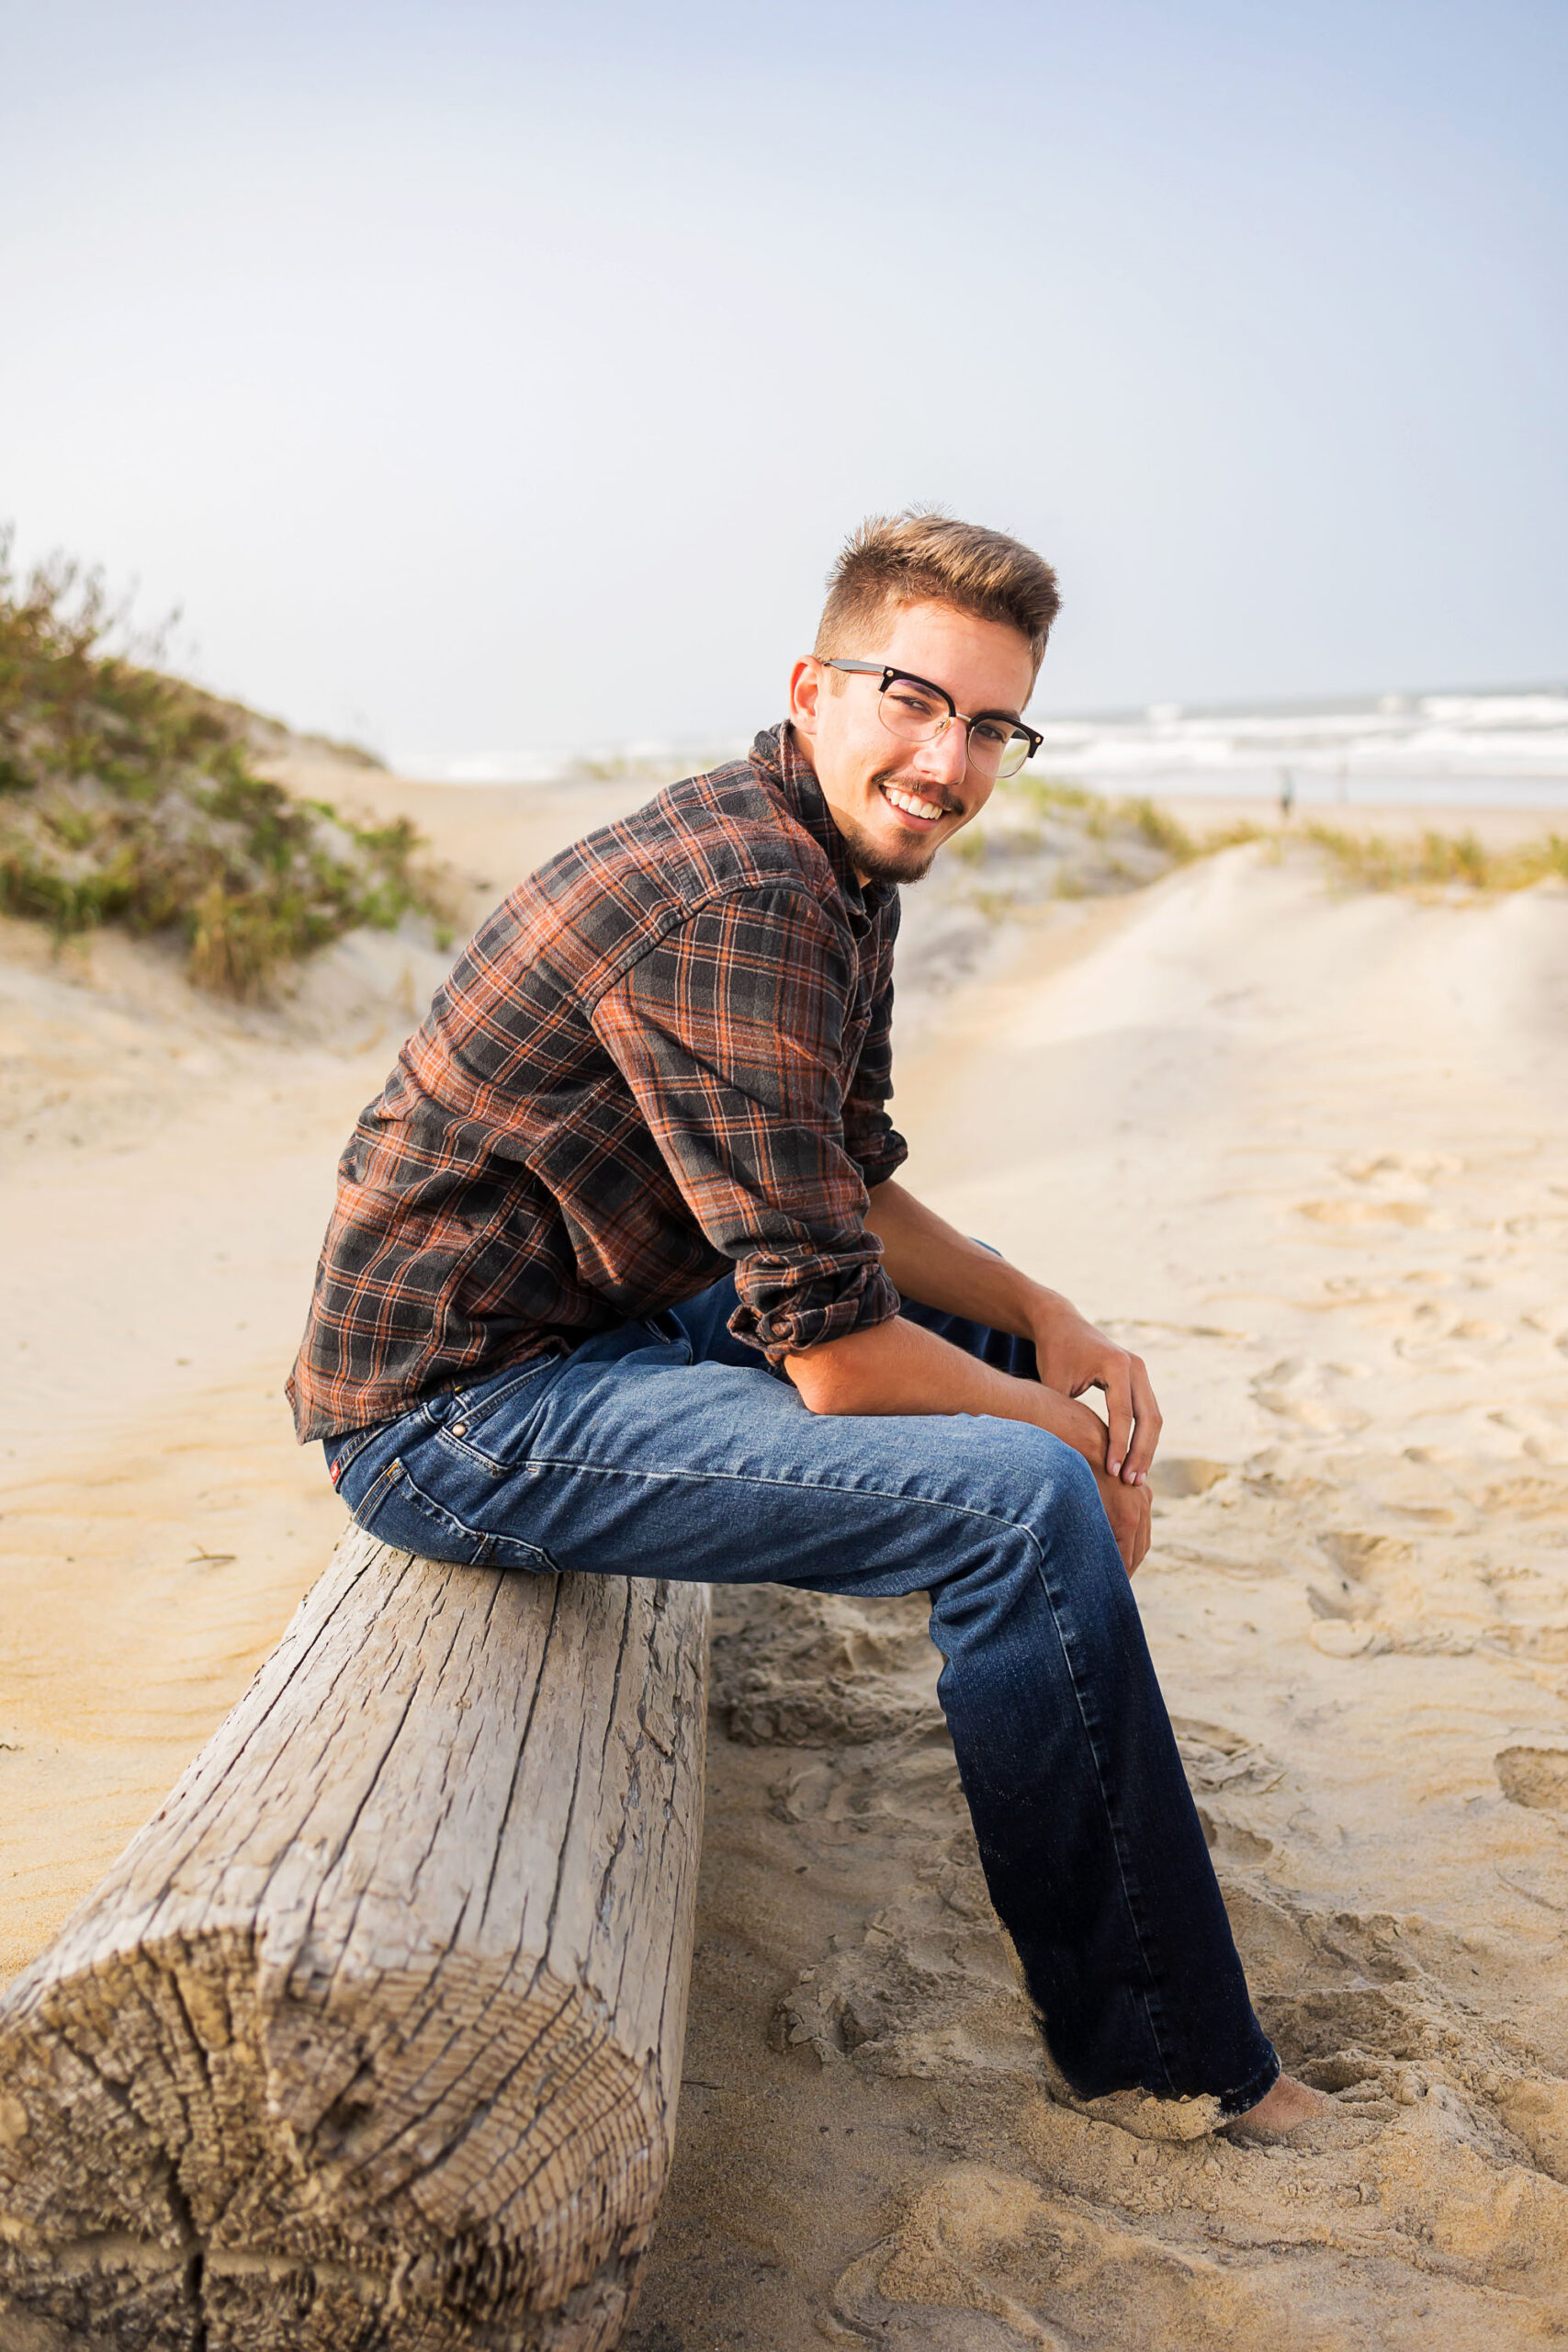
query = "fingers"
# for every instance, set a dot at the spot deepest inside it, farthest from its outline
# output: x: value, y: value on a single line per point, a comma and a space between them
x: 1127, y: 1508
x: 1133, y: 1544
x: 1072, y: 1356
x: 1115, y: 1378
x: 1140, y: 1454
x: 1132, y: 1415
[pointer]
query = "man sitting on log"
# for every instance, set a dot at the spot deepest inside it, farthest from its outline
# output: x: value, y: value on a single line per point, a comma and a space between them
x: 621, y: 1281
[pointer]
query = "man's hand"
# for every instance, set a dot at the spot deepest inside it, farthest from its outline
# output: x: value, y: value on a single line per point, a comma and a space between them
x: 1073, y: 1356
x: 928, y: 1260
x: 900, y: 1367
x: 1127, y: 1508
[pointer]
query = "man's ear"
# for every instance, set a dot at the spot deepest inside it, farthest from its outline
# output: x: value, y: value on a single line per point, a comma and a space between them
x: 805, y: 693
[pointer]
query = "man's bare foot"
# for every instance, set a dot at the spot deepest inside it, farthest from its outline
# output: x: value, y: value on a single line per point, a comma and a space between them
x: 1282, y: 2110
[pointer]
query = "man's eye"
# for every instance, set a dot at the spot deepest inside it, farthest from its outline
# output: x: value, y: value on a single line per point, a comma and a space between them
x: 986, y: 731
x: 921, y: 705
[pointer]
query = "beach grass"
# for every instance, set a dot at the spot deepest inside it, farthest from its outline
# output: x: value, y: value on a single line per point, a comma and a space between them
x: 1436, y: 861
x: 128, y: 796
x: 1427, y: 861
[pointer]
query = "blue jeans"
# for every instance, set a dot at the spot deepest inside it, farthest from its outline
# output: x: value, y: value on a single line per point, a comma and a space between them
x: 666, y: 1448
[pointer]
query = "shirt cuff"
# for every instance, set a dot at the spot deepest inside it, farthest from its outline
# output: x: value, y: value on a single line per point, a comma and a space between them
x: 788, y: 1306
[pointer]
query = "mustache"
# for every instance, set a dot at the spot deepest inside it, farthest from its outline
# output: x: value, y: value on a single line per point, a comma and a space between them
x: 937, y: 794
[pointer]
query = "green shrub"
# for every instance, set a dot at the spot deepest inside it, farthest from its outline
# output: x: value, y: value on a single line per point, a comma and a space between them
x: 128, y: 796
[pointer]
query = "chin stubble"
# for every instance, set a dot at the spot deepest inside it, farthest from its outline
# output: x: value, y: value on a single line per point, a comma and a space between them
x: 870, y: 859
x: 874, y: 862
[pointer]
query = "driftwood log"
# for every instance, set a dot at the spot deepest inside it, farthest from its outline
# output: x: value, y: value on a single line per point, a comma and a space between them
x: 372, y: 2036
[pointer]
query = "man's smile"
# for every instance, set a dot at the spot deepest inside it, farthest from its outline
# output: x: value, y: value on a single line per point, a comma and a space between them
x: 911, y: 804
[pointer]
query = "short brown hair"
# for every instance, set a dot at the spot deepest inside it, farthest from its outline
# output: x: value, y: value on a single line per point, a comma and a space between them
x: 924, y: 557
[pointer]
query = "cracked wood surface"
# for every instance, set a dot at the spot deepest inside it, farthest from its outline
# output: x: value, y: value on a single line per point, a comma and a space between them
x: 372, y: 2036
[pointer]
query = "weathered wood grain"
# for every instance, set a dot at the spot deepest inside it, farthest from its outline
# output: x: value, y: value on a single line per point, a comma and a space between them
x: 372, y: 2036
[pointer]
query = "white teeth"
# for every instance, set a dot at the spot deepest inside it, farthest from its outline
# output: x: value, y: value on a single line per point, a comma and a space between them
x: 910, y: 805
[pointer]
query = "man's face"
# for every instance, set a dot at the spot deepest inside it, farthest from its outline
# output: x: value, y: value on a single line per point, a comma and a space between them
x: 896, y: 803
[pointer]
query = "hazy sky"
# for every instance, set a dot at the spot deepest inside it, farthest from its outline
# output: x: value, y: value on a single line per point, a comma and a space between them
x: 483, y: 376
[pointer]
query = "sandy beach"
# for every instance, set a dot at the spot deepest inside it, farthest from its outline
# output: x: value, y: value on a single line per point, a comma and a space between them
x: 1304, y: 1146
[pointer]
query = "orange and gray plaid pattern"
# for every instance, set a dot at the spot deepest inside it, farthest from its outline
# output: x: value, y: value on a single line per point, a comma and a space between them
x: 666, y: 1056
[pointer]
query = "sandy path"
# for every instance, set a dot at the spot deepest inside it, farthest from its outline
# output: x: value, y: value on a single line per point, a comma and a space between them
x: 1310, y: 1148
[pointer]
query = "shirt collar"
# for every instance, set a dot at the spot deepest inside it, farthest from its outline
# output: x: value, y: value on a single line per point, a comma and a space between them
x: 779, y: 755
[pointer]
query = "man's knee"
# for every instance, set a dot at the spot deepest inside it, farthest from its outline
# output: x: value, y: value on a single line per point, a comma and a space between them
x: 1065, y: 1517
x: 1049, y: 1478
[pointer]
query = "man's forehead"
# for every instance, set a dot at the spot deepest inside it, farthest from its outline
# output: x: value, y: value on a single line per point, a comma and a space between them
x: 958, y: 650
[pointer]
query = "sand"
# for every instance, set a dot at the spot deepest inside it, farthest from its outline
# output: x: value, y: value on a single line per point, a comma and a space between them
x: 166, y: 1169
x: 1305, y: 1148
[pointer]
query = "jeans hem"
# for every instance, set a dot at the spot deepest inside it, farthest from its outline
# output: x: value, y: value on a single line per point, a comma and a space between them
x: 1259, y: 2086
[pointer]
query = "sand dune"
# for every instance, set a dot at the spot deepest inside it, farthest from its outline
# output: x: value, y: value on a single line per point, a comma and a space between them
x: 1305, y: 1150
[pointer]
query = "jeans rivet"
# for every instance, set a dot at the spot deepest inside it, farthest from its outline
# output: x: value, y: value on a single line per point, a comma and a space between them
x: 459, y: 1429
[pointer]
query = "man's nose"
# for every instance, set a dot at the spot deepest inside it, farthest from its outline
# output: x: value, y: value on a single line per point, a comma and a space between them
x: 945, y: 760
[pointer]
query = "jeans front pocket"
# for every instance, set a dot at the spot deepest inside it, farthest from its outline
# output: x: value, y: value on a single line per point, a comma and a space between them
x: 399, y: 1510
x: 489, y: 1425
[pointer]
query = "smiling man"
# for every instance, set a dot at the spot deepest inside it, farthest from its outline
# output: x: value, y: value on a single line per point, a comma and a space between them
x: 621, y: 1281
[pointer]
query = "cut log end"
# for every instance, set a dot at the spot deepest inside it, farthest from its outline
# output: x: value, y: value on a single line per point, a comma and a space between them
x: 372, y: 2038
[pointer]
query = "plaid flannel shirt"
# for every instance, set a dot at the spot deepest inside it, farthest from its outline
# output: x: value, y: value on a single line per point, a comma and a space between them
x: 664, y: 1057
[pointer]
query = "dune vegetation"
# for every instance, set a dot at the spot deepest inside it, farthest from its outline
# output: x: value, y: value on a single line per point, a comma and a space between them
x: 128, y: 796
x: 1105, y: 844
x: 1435, y: 860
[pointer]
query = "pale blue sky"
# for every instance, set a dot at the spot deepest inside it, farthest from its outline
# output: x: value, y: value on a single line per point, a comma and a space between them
x: 481, y: 377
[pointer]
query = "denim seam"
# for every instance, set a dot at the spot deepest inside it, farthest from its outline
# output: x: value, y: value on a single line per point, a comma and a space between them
x: 1133, y: 1909
x: 796, y: 1485
x: 395, y: 1475
x: 374, y: 1494
x: 447, y: 1436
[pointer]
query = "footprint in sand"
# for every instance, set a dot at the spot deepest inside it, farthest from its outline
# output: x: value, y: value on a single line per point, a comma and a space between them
x: 1537, y: 2113
x: 1015, y: 2259
x: 1354, y: 1211
x: 1184, y: 1476
x: 1535, y: 1776
x: 1297, y: 1389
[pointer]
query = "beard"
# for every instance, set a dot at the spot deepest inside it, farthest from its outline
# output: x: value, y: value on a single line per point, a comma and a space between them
x: 910, y: 862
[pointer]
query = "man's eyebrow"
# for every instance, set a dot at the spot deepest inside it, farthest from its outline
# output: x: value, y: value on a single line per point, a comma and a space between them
x: 994, y: 710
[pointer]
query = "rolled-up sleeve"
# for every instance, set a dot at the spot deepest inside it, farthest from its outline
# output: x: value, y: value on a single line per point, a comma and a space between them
x: 732, y: 1033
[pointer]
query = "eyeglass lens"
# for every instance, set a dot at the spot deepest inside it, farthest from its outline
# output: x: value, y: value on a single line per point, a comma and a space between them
x: 912, y: 712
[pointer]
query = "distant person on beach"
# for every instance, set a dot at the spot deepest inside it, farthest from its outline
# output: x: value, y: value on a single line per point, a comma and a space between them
x: 621, y: 1280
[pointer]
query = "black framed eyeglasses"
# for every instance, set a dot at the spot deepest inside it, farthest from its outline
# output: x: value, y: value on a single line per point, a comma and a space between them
x: 917, y: 712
